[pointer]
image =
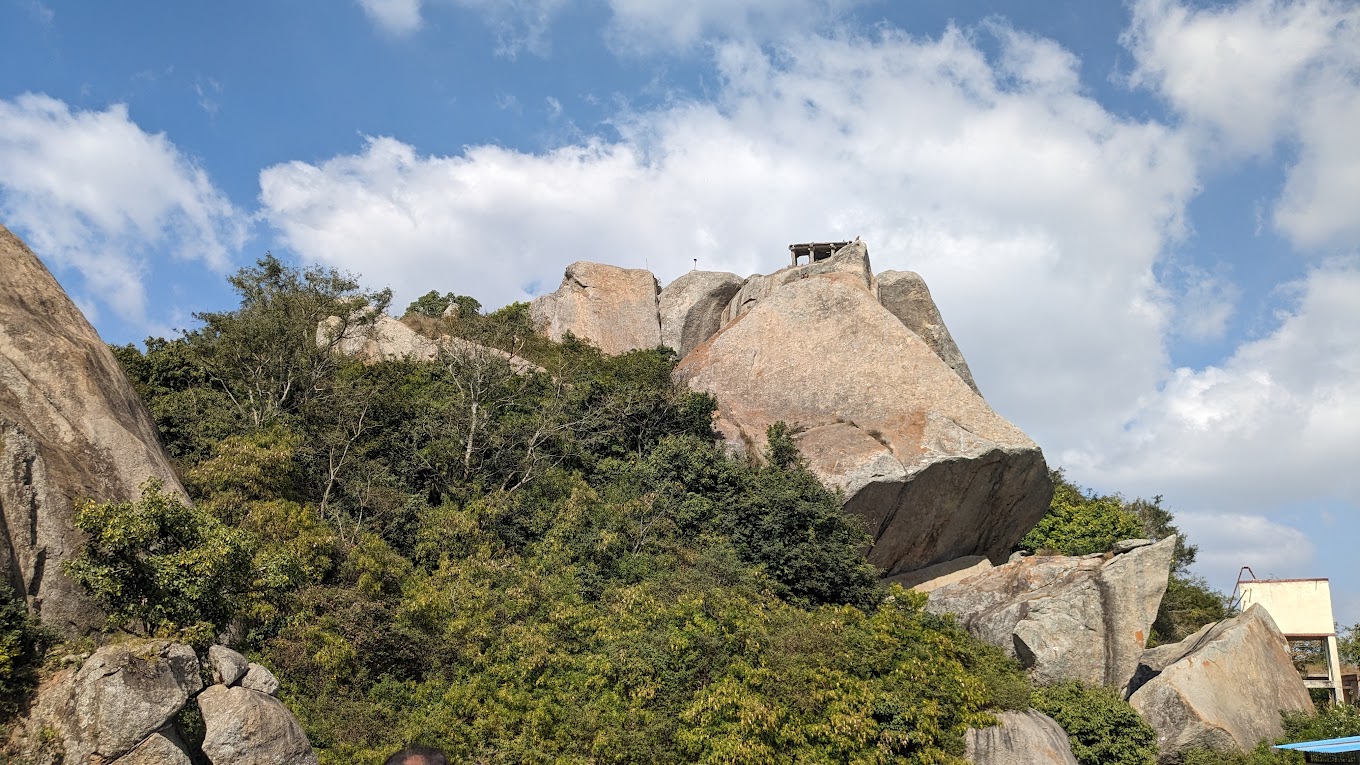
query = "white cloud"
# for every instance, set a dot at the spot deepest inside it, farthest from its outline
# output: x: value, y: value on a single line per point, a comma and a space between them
x: 94, y: 192
x: 1278, y: 422
x: 646, y: 26
x: 397, y: 17
x: 1035, y: 215
x: 519, y: 25
x: 1229, y: 541
x: 1251, y: 75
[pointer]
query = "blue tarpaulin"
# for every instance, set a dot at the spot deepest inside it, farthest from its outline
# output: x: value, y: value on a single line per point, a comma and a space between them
x: 1328, y: 750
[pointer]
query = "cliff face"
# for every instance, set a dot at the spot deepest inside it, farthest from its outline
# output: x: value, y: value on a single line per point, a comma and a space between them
x: 71, y: 426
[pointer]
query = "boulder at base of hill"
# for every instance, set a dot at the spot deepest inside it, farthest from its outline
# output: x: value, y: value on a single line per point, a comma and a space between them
x: 258, y: 678
x: 933, y: 471
x: 691, y: 307
x: 1222, y: 688
x: 118, y: 697
x: 227, y: 665
x: 613, y: 308
x: 1066, y: 618
x: 905, y: 294
x: 71, y: 427
x: 387, y: 339
x: 245, y: 727
x: 1020, y: 738
x: 162, y: 748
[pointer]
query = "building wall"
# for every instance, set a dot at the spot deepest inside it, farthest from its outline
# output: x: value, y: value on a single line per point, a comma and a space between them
x: 1299, y: 607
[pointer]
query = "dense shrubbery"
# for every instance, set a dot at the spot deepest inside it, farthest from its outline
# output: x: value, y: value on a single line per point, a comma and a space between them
x: 1331, y: 722
x: 1103, y: 728
x: 560, y: 566
x: 22, y: 644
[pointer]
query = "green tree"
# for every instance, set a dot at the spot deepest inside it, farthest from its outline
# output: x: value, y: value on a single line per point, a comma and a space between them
x: 433, y: 305
x: 1348, y: 644
x: 270, y: 356
x: 1078, y: 523
x: 23, y: 642
x: 160, y: 567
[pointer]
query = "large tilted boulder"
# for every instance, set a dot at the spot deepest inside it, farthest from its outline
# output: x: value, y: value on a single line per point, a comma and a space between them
x: 905, y: 294
x: 161, y: 748
x: 614, y: 308
x: 1221, y: 688
x: 1020, y: 738
x: 246, y: 727
x: 933, y: 471
x: 119, y: 696
x: 1066, y: 618
x: 71, y: 427
x: 692, y: 306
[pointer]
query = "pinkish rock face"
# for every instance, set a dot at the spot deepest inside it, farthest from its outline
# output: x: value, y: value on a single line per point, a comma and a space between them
x: 613, y: 308
x: 933, y: 471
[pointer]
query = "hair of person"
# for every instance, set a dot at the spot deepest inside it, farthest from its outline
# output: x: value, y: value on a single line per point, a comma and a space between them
x: 417, y: 755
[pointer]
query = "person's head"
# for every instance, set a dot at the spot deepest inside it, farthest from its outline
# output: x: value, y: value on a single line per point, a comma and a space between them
x: 417, y: 755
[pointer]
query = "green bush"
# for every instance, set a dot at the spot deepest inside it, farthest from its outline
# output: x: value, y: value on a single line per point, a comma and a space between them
x: 1103, y: 728
x: 23, y: 642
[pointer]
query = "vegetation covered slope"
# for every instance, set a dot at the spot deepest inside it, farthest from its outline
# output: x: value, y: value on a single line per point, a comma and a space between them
x: 561, y: 566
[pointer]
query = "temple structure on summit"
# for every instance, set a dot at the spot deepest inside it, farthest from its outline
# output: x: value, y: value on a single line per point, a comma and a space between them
x: 814, y: 251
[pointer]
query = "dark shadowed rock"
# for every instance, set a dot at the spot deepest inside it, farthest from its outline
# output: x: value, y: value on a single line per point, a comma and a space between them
x: 614, y: 308
x: 692, y: 306
x: 1020, y: 738
x: 120, y: 695
x: 934, y: 577
x: 1066, y: 618
x: 1221, y: 688
x: 245, y: 727
x: 71, y: 426
x: 933, y: 471
x: 905, y: 295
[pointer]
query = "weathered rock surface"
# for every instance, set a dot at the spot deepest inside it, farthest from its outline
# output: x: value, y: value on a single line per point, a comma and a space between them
x: 1221, y: 688
x: 1066, y: 618
x: 1021, y: 738
x: 71, y: 426
x: 905, y: 295
x: 934, y: 577
x: 245, y: 727
x: 161, y: 748
x: 227, y: 665
x: 614, y: 308
x: 257, y: 678
x: 851, y: 260
x: 388, y: 339
x: 934, y: 472
x: 105, y: 709
x: 692, y: 306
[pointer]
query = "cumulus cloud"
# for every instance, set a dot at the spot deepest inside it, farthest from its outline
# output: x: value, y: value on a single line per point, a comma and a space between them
x: 1276, y: 423
x: 1251, y: 75
x: 1035, y: 214
x: 94, y: 192
x: 1229, y: 541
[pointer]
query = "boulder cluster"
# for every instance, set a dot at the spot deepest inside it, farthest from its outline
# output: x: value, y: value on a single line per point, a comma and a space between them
x: 123, y: 704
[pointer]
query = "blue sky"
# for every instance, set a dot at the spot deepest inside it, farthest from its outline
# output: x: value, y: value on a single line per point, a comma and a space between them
x: 1141, y: 221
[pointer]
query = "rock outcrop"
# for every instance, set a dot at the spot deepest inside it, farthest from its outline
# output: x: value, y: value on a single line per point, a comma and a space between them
x: 118, y: 698
x: 1222, y: 688
x: 1066, y: 618
x: 246, y: 727
x: 1020, y: 738
x: 71, y: 426
x: 119, y: 707
x: 904, y: 293
x: 614, y: 308
x: 934, y: 577
x: 933, y: 471
x: 691, y: 307
x: 387, y: 339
